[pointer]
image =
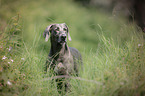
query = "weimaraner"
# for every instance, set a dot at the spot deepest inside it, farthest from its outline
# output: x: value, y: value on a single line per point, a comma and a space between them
x: 63, y: 60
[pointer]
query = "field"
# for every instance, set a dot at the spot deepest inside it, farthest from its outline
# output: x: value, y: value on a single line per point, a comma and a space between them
x: 113, y: 49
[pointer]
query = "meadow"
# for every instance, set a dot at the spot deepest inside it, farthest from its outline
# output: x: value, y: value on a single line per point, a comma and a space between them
x: 113, y: 50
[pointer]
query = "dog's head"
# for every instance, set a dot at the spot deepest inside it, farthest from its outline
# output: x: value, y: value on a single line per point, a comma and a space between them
x: 59, y: 33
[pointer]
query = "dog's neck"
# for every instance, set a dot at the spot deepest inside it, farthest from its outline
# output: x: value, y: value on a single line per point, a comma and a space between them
x: 57, y: 50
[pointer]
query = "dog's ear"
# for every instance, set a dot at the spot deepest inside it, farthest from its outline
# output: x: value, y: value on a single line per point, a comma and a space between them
x: 46, y: 32
x: 69, y: 38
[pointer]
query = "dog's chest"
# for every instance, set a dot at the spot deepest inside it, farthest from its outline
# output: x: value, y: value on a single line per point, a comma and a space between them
x: 64, y: 63
x: 64, y: 59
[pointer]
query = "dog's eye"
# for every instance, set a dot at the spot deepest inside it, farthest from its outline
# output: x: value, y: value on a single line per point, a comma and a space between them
x: 57, y: 29
x: 64, y: 29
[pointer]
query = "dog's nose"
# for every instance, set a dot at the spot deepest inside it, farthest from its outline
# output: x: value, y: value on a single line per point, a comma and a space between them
x: 63, y: 37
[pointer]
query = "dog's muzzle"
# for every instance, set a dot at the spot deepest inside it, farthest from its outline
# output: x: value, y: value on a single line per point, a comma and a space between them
x: 62, y: 38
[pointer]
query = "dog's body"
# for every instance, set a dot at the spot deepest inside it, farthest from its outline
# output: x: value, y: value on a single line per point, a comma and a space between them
x: 62, y: 59
x: 64, y: 62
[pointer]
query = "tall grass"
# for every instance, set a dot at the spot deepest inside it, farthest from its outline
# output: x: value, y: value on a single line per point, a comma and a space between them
x: 11, y: 76
x: 113, y: 52
x: 118, y: 68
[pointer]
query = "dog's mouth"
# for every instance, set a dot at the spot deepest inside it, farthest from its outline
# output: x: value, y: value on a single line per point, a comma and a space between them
x: 61, y: 42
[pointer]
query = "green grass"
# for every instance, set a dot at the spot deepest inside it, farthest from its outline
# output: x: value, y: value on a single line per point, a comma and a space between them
x: 113, y: 51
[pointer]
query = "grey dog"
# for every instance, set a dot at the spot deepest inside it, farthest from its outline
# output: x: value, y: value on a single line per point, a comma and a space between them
x: 63, y: 60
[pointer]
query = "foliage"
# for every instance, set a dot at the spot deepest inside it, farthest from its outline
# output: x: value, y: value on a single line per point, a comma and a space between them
x: 113, y: 51
x: 12, y: 79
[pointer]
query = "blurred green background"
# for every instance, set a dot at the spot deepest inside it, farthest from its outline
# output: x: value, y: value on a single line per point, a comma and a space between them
x: 112, y: 48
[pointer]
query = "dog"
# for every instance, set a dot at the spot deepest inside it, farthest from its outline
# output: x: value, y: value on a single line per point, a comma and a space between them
x: 63, y: 60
